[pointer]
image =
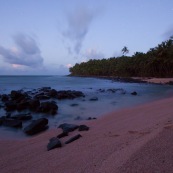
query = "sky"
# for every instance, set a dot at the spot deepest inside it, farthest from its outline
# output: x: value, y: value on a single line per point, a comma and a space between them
x: 47, y: 37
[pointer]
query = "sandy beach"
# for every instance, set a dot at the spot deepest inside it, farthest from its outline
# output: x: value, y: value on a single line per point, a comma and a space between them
x: 138, y: 139
x: 157, y: 80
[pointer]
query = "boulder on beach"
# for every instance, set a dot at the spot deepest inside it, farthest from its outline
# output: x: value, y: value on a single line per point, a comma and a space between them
x: 63, y: 134
x: 91, y: 118
x: 68, y: 127
x: 36, y: 126
x: 74, y: 138
x: 83, y: 128
x: 54, y: 143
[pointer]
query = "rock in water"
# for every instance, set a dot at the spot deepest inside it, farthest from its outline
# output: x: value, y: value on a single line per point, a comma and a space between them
x: 134, y: 93
x: 12, y: 123
x: 73, y: 139
x: 94, y: 99
x: 54, y: 143
x: 48, y: 107
x: 83, y: 128
x: 36, y: 126
x: 68, y: 127
x: 22, y: 117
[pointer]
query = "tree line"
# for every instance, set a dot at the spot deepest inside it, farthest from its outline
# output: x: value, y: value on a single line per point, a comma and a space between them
x: 157, y: 62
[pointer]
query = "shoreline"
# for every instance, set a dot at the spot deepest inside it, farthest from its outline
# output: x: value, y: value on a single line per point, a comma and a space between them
x: 110, y: 145
x: 151, y: 80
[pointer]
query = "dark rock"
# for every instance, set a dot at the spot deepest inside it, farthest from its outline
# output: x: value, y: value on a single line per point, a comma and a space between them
x: 74, y: 104
x: 22, y: 105
x: 63, y: 134
x: 112, y: 90
x: 94, y: 99
x: 78, y: 118
x: 69, y: 94
x: 54, y: 143
x: 101, y: 90
x: 19, y: 96
x: 83, y: 128
x: 170, y: 83
x: 23, y: 117
x: 36, y: 126
x: 12, y: 123
x: 73, y: 139
x: 134, y: 93
x: 4, y: 98
x: 68, y: 127
x: 2, y: 119
x: 91, y: 118
x: 10, y: 106
x: 52, y: 93
x: 48, y: 107
x: 34, y: 104
x: 45, y: 89
x: 41, y: 96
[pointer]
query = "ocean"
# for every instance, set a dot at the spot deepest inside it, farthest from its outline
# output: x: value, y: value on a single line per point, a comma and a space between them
x: 92, y: 87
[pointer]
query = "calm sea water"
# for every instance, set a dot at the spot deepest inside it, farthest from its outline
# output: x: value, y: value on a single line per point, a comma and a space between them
x: 107, y: 101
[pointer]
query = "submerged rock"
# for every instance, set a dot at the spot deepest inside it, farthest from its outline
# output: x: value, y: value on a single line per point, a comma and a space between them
x: 36, y: 126
x: 11, y: 122
x: 26, y: 116
x: 48, y: 107
x: 134, y: 93
x: 73, y: 139
x: 94, y: 99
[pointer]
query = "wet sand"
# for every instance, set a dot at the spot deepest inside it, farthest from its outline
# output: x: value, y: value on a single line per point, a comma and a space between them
x: 131, y: 140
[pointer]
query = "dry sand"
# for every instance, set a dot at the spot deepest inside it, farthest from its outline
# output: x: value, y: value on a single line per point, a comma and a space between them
x: 133, y: 140
x: 157, y: 80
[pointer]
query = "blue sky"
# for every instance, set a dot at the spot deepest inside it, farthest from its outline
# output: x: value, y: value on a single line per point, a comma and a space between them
x: 48, y: 36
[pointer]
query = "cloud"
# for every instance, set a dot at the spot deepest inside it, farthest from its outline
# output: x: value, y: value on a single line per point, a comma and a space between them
x: 78, y: 23
x: 68, y: 65
x: 93, y: 54
x: 25, y: 52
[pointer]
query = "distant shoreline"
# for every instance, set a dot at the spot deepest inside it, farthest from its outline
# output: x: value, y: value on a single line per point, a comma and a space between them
x: 152, y: 80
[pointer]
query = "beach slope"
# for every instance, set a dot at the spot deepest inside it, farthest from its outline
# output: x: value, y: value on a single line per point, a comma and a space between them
x: 137, y: 139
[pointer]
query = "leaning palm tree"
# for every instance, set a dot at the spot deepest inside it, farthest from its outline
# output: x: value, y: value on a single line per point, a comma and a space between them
x: 125, y: 50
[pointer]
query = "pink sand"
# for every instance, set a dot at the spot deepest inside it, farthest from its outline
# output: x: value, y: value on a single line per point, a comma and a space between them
x: 158, y: 80
x: 110, y: 146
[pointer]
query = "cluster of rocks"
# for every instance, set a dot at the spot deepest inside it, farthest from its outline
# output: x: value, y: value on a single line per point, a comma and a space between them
x: 55, y: 142
x: 36, y: 101
x: 118, y: 90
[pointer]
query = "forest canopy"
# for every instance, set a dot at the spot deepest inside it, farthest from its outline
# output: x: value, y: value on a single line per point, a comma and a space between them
x: 157, y: 62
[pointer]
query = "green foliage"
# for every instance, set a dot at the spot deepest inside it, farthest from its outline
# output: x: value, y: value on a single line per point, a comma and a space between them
x: 157, y: 62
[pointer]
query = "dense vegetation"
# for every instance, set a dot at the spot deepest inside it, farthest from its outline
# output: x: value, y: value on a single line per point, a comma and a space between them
x: 157, y: 62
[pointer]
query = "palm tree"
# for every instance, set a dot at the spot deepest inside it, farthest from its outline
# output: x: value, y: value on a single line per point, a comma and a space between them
x: 125, y: 50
